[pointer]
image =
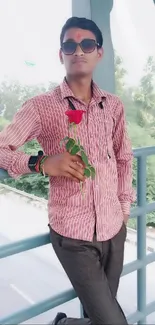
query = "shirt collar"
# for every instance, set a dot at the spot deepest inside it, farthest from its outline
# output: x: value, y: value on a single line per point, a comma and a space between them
x: 98, y: 94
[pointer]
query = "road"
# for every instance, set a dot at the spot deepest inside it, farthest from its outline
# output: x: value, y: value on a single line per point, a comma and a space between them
x: 29, y: 277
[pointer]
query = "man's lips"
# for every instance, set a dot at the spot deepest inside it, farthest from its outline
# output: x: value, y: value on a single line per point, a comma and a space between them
x: 79, y: 61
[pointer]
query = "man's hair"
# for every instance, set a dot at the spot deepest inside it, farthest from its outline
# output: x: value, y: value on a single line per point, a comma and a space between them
x: 83, y: 23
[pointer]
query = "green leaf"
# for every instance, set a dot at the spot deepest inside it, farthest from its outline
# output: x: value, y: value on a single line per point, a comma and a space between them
x: 84, y: 158
x: 75, y: 150
x: 92, y: 175
x: 70, y: 143
x: 82, y: 148
x: 87, y: 172
x: 63, y: 140
x: 92, y: 170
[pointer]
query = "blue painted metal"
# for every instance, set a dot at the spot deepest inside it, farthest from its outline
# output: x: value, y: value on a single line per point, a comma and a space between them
x: 3, y: 174
x: 43, y: 306
x: 141, y: 237
x: 138, y: 265
x: 24, y: 245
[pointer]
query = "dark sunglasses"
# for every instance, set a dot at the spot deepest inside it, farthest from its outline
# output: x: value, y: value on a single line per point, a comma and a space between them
x: 87, y: 46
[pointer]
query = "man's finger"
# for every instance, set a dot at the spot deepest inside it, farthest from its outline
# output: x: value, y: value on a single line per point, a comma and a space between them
x: 78, y: 159
x: 77, y: 167
x: 71, y: 177
x: 75, y: 174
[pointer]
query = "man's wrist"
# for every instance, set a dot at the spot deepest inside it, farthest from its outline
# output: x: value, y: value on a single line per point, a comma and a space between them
x: 41, y: 165
x: 125, y: 208
x: 126, y: 218
x: 34, y: 162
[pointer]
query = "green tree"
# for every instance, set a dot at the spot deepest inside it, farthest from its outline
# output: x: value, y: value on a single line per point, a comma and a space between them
x: 10, y: 98
x: 13, y: 95
x: 144, y: 96
x: 3, y: 123
x: 124, y: 92
x: 139, y: 104
x: 120, y: 74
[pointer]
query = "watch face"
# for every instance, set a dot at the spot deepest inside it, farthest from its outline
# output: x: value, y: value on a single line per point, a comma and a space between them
x: 32, y: 163
x: 33, y: 160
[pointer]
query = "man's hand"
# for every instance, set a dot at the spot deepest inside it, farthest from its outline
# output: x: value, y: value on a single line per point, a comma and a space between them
x: 126, y: 218
x: 66, y: 165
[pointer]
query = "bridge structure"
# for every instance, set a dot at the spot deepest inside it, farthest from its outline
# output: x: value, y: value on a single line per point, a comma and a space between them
x: 99, y: 11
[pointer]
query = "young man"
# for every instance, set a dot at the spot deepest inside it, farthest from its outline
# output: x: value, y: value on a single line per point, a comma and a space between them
x: 87, y: 234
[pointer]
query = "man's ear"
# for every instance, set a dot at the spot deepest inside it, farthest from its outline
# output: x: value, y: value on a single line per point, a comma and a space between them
x: 100, y: 53
x: 61, y: 56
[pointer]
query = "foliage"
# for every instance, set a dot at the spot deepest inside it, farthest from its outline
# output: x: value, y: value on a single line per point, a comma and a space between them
x: 3, y: 123
x: 144, y: 97
x: 140, y: 112
x: 13, y: 95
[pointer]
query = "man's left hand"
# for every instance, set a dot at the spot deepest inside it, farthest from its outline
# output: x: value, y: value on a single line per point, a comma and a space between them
x: 126, y: 218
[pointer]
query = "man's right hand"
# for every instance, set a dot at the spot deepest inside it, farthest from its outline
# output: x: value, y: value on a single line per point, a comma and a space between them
x: 66, y: 165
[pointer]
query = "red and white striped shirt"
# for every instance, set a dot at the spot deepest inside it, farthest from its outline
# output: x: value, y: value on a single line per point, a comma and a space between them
x: 102, y: 131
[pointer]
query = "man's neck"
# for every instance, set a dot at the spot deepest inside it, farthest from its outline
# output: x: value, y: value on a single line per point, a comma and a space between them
x: 81, y: 88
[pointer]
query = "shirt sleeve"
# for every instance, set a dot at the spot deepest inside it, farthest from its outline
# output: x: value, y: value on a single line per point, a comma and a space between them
x: 124, y: 159
x: 25, y: 126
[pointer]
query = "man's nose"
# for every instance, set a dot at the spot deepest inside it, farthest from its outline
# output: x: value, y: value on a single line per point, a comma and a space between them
x: 78, y: 51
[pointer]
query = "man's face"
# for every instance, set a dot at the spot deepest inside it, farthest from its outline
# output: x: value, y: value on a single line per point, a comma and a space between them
x: 80, y: 62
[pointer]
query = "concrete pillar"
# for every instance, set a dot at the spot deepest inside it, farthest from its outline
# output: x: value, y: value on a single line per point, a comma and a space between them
x: 99, y: 11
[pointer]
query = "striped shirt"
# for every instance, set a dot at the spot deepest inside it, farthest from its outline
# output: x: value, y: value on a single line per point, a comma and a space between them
x: 103, y: 134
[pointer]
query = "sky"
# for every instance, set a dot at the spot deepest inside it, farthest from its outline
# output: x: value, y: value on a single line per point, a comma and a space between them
x: 30, y: 30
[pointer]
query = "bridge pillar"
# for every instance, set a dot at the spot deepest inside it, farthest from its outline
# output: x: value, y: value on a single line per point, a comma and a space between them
x: 99, y: 11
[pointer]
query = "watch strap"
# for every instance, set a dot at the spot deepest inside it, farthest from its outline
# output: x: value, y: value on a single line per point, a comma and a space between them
x: 33, y: 162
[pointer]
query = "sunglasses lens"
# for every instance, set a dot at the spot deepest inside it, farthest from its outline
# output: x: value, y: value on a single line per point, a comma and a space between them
x: 88, y: 45
x: 69, y: 47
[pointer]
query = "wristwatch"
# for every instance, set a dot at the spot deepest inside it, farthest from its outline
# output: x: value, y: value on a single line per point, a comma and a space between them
x: 34, y: 160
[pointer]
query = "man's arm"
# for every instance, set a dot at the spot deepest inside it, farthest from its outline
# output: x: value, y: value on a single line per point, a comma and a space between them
x: 124, y: 159
x: 25, y: 126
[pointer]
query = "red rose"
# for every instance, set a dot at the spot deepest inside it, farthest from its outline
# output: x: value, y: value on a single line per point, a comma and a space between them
x: 75, y: 116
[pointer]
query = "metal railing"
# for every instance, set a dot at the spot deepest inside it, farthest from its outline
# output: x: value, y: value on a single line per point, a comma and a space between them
x: 139, y: 265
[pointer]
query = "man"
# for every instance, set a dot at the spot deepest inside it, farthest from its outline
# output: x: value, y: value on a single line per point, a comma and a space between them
x: 87, y: 234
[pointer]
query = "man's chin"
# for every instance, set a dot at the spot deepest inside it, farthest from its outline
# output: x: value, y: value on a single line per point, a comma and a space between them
x: 80, y: 74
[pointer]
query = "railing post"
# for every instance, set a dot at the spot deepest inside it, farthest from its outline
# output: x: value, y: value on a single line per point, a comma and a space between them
x: 141, y: 237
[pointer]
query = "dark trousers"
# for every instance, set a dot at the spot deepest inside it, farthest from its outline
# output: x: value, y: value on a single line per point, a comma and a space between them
x: 94, y: 269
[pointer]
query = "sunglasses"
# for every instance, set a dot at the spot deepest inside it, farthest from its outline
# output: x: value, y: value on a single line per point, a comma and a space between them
x: 87, y: 46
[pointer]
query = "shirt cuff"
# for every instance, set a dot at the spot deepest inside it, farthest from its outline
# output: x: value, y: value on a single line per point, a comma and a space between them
x: 125, y: 208
x: 19, y: 165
